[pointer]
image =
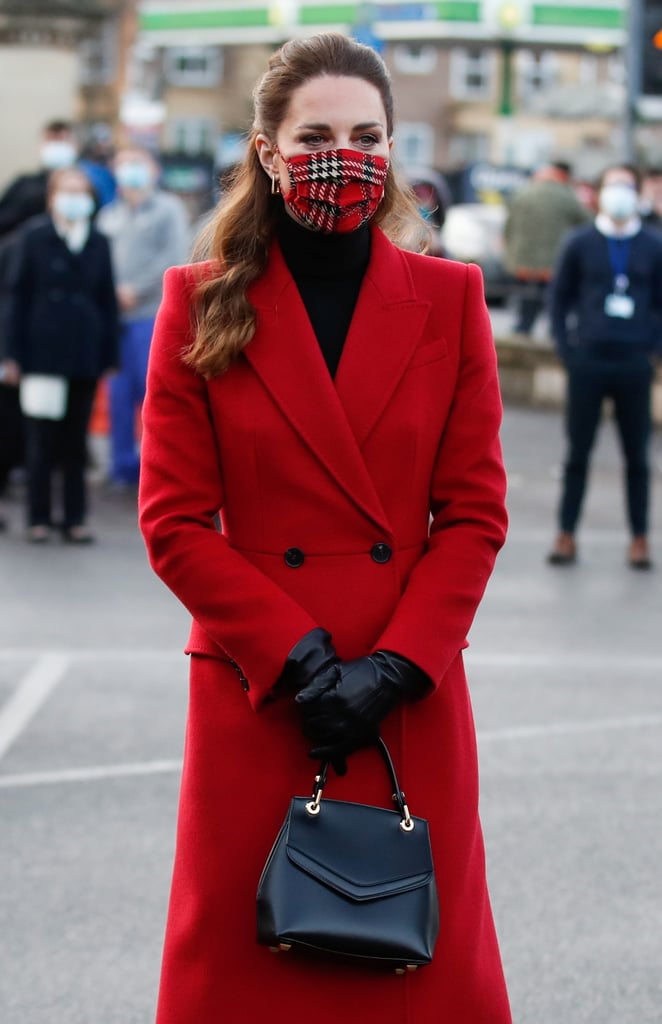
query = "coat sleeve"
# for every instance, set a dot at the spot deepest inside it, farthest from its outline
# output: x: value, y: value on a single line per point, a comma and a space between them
x: 108, y: 303
x: 467, y: 501
x: 252, y: 620
x: 20, y: 290
x: 563, y: 294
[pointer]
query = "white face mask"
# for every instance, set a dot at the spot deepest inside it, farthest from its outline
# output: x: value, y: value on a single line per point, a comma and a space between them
x: 57, y: 154
x: 620, y: 202
x: 73, y: 206
x: 134, y: 174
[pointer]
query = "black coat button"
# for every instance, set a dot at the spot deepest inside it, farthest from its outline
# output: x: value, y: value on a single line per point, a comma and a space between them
x: 294, y: 557
x: 380, y: 553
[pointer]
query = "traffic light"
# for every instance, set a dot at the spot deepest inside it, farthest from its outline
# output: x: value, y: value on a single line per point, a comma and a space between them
x: 651, y: 49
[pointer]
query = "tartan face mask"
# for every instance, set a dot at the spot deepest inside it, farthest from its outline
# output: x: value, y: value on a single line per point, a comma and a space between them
x: 335, y: 191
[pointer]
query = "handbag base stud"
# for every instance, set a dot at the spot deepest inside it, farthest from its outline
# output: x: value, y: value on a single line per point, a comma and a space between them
x: 282, y: 947
x: 409, y: 969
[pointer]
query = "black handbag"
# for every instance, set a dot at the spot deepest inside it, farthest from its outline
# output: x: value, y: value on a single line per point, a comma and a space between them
x: 351, y: 880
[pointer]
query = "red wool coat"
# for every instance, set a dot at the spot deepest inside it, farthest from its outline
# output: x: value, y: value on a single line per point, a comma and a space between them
x: 372, y: 505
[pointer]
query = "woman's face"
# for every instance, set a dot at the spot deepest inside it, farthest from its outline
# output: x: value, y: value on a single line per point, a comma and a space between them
x: 72, y: 182
x: 329, y: 112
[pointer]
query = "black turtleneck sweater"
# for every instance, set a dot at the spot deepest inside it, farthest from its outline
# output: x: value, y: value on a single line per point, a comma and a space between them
x: 328, y: 270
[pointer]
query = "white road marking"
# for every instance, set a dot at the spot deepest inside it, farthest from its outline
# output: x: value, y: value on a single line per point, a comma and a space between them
x: 31, y: 693
x: 99, y: 654
x: 581, y: 660
x: 499, y: 659
x: 95, y: 773
x: 526, y: 732
x: 51, y: 667
x: 90, y: 774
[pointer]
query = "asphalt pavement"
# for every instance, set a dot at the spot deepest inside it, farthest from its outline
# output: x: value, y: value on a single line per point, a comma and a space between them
x: 565, y: 667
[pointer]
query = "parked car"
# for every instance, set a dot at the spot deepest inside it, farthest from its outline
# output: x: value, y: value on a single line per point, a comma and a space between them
x: 473, y: 233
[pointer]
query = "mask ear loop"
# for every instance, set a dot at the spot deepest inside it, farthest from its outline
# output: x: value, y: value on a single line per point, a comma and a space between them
x: 275, y: 180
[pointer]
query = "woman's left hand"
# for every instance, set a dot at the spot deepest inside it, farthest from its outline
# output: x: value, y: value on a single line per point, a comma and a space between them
x: 342, y: 710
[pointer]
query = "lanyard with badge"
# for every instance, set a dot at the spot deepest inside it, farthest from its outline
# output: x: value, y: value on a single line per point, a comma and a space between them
x: 619, y: 303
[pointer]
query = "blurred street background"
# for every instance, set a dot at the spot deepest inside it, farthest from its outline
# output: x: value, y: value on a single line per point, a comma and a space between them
x: 565, y: 664
x: 564, y: 667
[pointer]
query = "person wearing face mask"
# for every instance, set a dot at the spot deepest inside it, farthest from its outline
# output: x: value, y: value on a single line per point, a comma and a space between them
x: 24, y: 198
x: 322, y: 487
x: 148, y: 232
x: 62, y: 336
x: 609, y: 280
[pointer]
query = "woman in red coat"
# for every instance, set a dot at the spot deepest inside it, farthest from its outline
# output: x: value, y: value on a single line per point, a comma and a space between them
x: 322, y: 487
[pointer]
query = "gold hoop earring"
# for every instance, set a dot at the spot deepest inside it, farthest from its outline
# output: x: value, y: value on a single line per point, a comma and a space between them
x: 275, y: 185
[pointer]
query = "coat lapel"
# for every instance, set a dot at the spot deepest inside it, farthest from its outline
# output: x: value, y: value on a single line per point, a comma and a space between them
x: 334, y: 418
x: 385, y: 330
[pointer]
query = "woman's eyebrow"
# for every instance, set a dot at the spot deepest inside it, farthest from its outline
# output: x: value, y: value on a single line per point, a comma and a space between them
x: 321, y: 127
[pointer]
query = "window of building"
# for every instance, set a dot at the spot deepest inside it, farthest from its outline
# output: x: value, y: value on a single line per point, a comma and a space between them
x: 468, y: 147
x: 588, y: 69
x: 415, y: 58
x: 536, y: 71
x: 193, y: 66
x: 98, y: 56
x: 471, y: 72
x: 414, y: 142
x: 192, y: 135
x: 616, y: 70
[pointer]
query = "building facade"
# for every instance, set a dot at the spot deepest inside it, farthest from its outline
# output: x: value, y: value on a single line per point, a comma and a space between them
x: 60, y: 60
x: 509, y: 81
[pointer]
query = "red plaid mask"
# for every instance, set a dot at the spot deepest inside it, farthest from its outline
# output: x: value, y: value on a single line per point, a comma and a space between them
x: 335, y: 191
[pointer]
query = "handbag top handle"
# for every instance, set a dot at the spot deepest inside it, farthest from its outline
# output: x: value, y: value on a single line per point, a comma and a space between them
x: 407, y: 822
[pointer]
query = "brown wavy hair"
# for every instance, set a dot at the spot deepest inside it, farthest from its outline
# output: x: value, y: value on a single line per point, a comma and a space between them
x: 238, y: 236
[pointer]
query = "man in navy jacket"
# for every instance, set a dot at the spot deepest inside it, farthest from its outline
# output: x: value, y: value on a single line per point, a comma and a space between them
x: 606, y: 316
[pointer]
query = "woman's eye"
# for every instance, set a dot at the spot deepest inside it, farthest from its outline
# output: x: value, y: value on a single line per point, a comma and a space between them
x: 313, y: 140
x: 368, y: 140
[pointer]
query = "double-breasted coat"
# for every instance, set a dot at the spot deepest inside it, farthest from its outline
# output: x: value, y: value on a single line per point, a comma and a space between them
x: 62, y: 312
x: 371, y: 505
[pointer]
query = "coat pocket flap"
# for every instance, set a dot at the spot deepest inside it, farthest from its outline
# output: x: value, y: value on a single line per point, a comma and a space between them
x: 358, y: 850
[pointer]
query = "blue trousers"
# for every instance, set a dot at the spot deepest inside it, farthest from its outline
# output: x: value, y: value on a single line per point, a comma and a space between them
x: 608, y: 371
x: 126, y: 394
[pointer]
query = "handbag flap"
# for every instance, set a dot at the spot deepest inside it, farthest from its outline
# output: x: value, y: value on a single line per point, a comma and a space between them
x: 357, y: 849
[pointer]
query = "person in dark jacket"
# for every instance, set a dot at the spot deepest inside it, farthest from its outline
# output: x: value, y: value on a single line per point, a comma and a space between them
x: 62, y: 331
x: 24, y: 198
x: 26, y: 195
x: 609, y: 278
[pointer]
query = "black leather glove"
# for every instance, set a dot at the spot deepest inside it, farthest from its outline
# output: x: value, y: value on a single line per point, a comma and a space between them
x: 312, y: 654
x: 343, y: 705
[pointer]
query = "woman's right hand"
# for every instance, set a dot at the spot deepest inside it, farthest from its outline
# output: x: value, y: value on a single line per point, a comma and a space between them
x: 313, y: 654
x: 10, y: 372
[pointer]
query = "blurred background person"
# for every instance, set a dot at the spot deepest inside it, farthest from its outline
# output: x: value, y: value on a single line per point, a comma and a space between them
x: 25, y: 196
x: 609, y: 279
x: 96, y: 159
x: 148, y: 230
x: 650, y: 205
x: 11, y: 426
x: 539, y: 216
x: 62, y: 334
x: 432, y: 197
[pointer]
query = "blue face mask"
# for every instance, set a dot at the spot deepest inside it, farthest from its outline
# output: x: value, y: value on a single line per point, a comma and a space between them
x: 73, y: 205
x: 134, y: 174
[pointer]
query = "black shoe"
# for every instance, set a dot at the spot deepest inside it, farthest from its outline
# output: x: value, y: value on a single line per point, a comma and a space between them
x: 77, y: 535
x: 639, y: 555
x: 564, y: 551
x: 38, y: 534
